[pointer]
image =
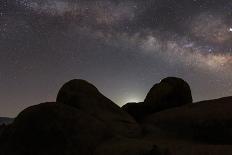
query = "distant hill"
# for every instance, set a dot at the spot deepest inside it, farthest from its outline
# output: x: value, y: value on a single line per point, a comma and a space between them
x: 5, y: 120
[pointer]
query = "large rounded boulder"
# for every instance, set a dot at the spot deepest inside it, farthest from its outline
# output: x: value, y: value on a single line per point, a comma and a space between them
x: 84, y: 96
x: 170, y: 92
x: 53, y: 129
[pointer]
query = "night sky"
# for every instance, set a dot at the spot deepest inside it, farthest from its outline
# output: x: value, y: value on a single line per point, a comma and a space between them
x: 123, y: 47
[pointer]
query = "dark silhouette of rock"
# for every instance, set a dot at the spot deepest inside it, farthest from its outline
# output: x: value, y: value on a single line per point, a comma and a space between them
x: 169, y: 93
x: 206, y: 121
x: 2, y: 127
x: 138, y: 110
x: 86, y: 97
x: 125, y: 146
x: 85, y: 122
x: 54, y: 129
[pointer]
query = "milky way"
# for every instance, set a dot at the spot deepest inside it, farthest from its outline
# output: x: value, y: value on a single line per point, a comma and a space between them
x: 123, y: 47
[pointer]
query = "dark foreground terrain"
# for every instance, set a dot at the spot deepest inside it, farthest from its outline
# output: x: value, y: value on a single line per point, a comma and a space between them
x: 82, y: 121
x: 6, y: 120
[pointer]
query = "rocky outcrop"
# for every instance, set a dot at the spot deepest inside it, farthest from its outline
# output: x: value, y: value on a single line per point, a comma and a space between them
x: 54, y: 129
x: 77, y: 123
x: 85, y: 122
x: 206, y: 121
x: 84, y: 96
x: 169, y: 93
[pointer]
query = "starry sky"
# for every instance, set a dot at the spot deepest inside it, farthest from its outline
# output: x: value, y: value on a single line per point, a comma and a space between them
x: 123, y: 47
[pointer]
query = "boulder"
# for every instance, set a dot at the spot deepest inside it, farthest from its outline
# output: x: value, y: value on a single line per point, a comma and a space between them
x: 53, y: 129
x: 84, y: 96
x: 206, y: 121
x: 169, y: 93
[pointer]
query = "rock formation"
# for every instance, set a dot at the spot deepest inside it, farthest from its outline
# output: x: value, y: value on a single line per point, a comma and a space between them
x: 206, y: 121
x: 169, y: 93
x: 84, y: 122
x: 52, y: 129
x: 84, y: 96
